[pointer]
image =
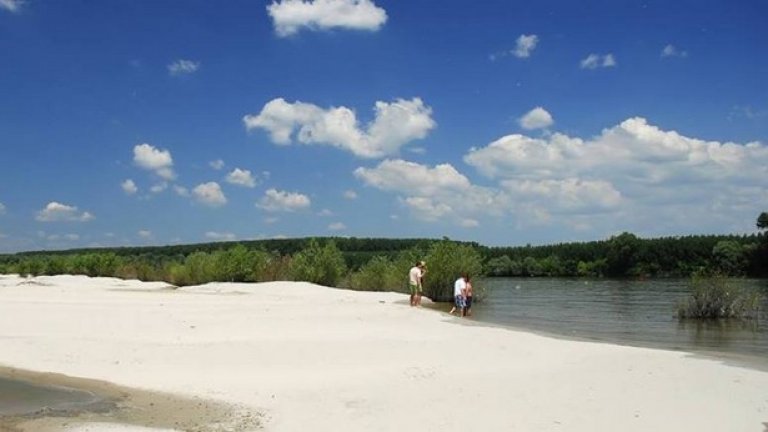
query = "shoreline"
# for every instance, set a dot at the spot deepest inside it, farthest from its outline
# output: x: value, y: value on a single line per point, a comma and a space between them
x: 292, y: 356
x: 123, y: 407
x: 749, y: 361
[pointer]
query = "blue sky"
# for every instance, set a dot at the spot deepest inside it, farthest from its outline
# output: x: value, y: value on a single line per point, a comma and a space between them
x: 130, y: 122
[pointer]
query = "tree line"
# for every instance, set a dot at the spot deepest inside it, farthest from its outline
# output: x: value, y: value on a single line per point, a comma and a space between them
x: 382, y: 264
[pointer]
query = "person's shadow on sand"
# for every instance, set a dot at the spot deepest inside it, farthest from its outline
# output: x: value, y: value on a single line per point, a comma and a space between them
x: 765, y: 425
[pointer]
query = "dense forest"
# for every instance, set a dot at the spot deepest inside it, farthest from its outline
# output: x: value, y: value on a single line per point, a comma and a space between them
x: 380, y: 263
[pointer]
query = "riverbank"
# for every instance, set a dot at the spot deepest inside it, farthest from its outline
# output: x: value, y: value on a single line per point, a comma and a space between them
x: 302, y: 356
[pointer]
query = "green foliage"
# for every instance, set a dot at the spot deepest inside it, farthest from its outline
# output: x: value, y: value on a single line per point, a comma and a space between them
x: 323, y: 265
x: 730, y: 257
x: 378, y: 274
x: 715, y: 296
x: 762, y: 221
x: 446, y: 262
x: 622, y: 254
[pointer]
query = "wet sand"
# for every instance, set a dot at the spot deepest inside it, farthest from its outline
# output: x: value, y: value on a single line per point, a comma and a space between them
x: 119, y: 407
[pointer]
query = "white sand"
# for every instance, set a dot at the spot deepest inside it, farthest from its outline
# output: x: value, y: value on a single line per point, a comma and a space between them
x: 319, y: 359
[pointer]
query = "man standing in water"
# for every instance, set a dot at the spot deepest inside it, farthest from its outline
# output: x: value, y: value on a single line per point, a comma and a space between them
x: 459, y: 293
x: 415, y: 276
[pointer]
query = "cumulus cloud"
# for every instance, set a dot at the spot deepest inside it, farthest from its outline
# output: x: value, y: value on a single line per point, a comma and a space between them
x: 525, y: 45
x: 431, y: 193
x: 275, y: 200
x: 11, y: 5
x: 241, y: 178
x: 183, y: 67
x: 350, y: 194
x: 290, y: 16
x: 594, y: 61
x: 395, y: 124
x: 671, y: 51
x: 632, y: 176
x: 159, y: 187
x: 145, y: 234
x: 220, y: 236
x: 217, y: 164
x: 337, y: 226
x: 57, y: 212
x: 129, y: 187
x: 209, y: 194
x: 150, y: 158
x: 634, y: 168
x: 181, y: 191
x: 536, y: 118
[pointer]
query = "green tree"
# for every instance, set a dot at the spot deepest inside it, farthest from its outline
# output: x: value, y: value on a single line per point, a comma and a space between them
x: 323, y: 265
x: 378, y: 274
x: 621, y: 254
x: 762, y: 221
x: 446, y: 261
x: 499, y: 266
x: 729, y: 257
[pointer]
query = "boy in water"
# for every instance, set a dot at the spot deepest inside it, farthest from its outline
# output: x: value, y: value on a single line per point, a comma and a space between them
x: 468, y: 298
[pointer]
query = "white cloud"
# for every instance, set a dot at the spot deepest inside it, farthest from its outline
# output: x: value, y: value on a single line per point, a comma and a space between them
x: 634, y: 168
x: 150, y: 158
x: 57, y: 212
x: 217, y: 164
x: 536, y: 118
x: 337, y: 226
x: 11, y: 5
x: 181, y: 191
x: 274, y: 200
x: 570, y: 195
x: 209, y: 194
x: 525, y: 45
x: 431, y: 193
x: 72, y: 237
x: 290, y: 16
x: 271, y: 220
x: 671, y: 51
x: 183, y: 67
x: 145, y: 234
x: 632, y: 176
x: 395, y: 125
x: 325, y: 213
x: 159, y: 187
x: 220, y: 236
x: 594, y: 61
x: 350, y: 194
x: 129, y: 187
x: 241, y: 178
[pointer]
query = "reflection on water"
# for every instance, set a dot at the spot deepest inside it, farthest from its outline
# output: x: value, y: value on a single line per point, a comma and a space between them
x: 641, y: 313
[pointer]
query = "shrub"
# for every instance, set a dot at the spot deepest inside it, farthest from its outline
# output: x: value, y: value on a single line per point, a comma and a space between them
x: 446, y: 261
x: 378, y: 274
x: 323, y: 265
x: 715, y: 296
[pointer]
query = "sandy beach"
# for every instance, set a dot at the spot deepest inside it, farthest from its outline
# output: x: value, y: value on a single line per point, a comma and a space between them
x: 287, y: 356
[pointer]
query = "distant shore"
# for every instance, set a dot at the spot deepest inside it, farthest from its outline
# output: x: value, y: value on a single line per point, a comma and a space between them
x: 287, y: 356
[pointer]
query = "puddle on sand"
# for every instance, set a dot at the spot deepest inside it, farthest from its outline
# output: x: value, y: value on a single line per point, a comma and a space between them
x: 44, y: 402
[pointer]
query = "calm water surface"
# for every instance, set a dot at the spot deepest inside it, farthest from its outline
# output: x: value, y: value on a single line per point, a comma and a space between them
x: 639, y: 313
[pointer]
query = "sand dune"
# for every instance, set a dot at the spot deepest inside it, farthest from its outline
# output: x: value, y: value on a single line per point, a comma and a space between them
x: 303, y: 357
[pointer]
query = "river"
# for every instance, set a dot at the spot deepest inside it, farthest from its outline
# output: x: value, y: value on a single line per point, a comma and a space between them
x: 627, y: 312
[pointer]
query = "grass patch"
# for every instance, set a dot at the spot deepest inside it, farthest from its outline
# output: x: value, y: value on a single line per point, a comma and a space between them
x: 715, y: 296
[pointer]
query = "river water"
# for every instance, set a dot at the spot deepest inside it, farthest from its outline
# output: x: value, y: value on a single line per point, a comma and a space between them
x: 626, y: 312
